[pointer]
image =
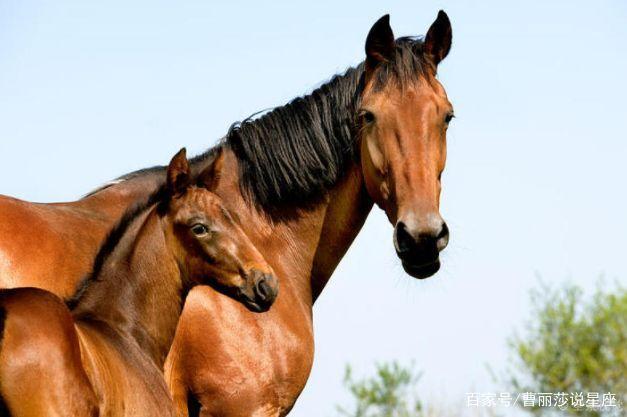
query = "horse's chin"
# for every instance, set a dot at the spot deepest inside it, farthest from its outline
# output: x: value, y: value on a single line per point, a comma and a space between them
x: 422, y: 271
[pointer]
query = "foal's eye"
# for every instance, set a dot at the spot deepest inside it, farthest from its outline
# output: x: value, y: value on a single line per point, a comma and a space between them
x: 200, y: 229
x: 449, y: 117
x: 367, y: 116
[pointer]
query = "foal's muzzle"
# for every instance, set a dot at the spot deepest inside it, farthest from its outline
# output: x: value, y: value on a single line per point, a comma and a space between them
x: 419, y: 247
x: 262, y: 292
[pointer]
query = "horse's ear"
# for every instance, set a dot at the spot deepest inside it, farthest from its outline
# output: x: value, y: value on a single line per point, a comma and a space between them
x: 178, y: 174
x: 210, y: 176
x: 437, y: 43
x: 379, y: 43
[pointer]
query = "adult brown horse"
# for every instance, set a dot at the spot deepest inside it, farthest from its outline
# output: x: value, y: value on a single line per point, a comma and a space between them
x: 306, y: 175
x: 302, y: 180
x: 105, y: 357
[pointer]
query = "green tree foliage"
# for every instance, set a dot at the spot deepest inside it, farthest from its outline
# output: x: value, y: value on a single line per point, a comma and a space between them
x: 573, y: 345
x: 390, y: 393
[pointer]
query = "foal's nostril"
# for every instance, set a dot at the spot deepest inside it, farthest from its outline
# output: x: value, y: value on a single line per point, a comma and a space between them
x: 263, y: 289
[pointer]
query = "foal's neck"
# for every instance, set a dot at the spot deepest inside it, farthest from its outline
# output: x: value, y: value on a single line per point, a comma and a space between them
x: 138, y: 292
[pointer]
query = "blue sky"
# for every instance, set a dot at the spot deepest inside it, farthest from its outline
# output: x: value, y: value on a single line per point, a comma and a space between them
x: 536, y: 168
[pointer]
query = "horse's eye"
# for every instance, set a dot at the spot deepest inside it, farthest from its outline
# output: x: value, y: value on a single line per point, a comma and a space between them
x: 367, y: 116
x: 200, y: 229
x: 449, y: 117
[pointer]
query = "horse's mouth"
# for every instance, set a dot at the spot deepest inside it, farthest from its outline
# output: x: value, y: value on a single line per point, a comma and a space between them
x: 422, y: 271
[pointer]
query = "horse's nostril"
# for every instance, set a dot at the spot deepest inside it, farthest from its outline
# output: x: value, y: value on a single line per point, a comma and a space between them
x: 443, y: 231
x: 404, y: 240
x: 423, y: 243
x: 442, y: 239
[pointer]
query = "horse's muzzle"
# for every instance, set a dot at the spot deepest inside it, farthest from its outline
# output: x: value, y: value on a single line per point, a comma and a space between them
x: 419, y: 250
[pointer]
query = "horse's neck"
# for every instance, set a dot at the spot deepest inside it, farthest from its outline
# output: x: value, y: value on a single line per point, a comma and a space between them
x: 346, y: 211
x: 137, y: 294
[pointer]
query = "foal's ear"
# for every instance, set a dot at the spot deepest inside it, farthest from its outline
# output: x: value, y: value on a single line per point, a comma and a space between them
x: 178, y: 174
x: 379, y: 43
x: 437, y: 43
x: 210, y: 176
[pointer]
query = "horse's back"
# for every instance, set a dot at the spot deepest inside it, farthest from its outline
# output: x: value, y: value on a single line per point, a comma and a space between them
x: 41, y: 373
x: 52, y: 245
x: 47, y: 246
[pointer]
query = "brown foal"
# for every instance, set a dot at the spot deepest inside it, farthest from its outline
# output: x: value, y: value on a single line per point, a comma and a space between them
x: 104, y: 355
x: 302, y: 180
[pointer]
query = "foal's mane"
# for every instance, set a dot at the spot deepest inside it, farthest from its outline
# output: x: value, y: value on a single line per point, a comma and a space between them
x: 111, y: 241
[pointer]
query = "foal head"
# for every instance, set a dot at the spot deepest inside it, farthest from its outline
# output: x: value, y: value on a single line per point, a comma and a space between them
x: 210, y: 247
x: 402, y: 120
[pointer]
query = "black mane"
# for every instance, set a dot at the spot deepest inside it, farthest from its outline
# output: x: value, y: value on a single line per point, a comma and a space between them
x: 110, y: 243
x: 407, y: 66
x: 296, y: 152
